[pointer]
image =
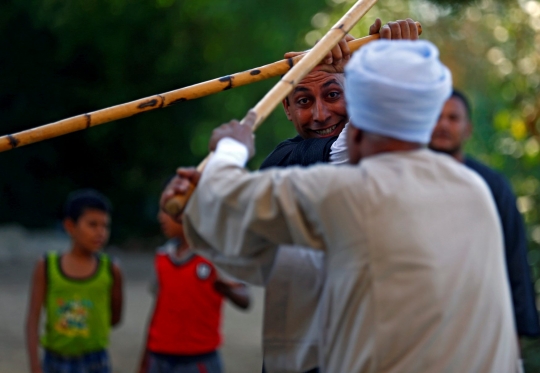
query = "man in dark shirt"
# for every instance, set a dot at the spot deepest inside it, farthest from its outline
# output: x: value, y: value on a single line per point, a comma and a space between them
x: 316, y: 107
x: 452, y: 130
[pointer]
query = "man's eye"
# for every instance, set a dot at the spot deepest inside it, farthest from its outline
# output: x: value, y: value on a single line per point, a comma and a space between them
x: 302, y: 101
x: 334, y: 94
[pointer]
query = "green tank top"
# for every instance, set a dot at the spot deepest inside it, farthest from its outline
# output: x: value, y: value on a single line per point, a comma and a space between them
x: 78, y: 310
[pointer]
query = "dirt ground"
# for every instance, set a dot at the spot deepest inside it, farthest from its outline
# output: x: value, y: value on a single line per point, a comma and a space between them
x: 241, y: 351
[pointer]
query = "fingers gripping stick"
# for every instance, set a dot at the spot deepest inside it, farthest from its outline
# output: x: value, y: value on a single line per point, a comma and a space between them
x: 176, y: 205
x: 356, y: 44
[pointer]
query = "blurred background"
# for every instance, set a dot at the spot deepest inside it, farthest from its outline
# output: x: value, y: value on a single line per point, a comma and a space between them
x: 63, y: 58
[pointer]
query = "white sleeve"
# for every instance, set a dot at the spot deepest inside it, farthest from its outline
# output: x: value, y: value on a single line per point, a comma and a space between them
x: 252, y: 271
x: 233, y: 213
x: 231, y: 151
x: 338, y: 151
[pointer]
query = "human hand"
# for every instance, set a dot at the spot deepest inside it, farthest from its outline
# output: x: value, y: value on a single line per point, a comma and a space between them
x: 396, y: 30
x: 337, y: 58
x: 181, y: 185
x: 236, y: 292
x: 242, y: 133
x: 223, y: 287
x: 145, y: 362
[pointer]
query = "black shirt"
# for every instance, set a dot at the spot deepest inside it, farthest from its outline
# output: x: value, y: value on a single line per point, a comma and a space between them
x: 515, y: 247
x: 300, y: 152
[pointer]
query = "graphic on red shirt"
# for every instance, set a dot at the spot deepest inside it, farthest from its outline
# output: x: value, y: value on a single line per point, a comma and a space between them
x: 187, y: 316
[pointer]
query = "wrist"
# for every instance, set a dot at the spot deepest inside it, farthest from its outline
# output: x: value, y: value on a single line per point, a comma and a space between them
x: 233, y: 151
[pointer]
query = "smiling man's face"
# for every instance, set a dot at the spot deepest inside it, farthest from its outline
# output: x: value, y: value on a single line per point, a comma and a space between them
x: 317, y: 105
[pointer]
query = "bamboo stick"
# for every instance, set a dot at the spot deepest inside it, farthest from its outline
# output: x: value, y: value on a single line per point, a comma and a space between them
x: 84, y: 121
x: 175, y: 206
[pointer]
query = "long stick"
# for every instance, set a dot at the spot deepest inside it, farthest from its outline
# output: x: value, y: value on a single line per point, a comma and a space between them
x: 84, y: 121
x: 176, y: 205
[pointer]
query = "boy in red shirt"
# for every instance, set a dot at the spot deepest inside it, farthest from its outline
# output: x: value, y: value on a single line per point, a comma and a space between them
x: 184, y: 331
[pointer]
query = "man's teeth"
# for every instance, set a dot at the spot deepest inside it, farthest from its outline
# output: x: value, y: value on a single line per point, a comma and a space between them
x: 327, y: 131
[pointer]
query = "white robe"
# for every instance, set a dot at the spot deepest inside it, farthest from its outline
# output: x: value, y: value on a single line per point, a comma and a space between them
x: 414, y: 259
x: 293, y: 290
x: 294, y: 281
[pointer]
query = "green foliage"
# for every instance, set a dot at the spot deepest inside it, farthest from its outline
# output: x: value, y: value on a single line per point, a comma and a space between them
x: 64, y: 58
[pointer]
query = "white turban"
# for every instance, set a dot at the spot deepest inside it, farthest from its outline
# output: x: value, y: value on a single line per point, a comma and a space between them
x: 397, y: 89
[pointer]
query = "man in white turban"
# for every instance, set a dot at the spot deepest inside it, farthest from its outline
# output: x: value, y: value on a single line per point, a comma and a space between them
x: 415, y: 269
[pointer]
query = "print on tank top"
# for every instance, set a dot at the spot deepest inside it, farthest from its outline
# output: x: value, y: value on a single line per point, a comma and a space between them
x: 73, y: 317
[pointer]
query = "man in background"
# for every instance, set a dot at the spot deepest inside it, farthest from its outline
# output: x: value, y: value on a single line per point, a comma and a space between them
x: 453, y: 129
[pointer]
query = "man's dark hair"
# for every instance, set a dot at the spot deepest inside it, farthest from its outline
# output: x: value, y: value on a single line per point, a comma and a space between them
x: 81, y: 200
x: 461, y: 96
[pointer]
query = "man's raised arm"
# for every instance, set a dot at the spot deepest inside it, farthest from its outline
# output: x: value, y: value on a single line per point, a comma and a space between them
x: 241, y: 213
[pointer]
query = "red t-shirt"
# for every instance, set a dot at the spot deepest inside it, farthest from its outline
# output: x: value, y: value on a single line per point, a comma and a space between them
x: 187, y: 315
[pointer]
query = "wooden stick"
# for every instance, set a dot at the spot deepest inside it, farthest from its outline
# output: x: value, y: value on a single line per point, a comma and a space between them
x: 84, y: 121
x: 175, y: 206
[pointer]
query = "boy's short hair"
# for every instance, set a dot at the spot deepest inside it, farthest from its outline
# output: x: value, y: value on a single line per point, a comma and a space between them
x: 80, y: 200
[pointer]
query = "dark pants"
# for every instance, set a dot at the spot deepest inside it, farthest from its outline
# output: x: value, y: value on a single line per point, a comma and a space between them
x: 204, y: 363
x: 93, y: 362
x: 314, y: 370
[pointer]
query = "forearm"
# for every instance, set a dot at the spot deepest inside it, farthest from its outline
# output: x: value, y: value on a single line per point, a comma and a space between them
x: 117, y: 296
x: 239, y: 295
x: 241, y: 213
x: 214, y: 216
x: 224, y: 190
x: 32, y: 346
x: 144, y: 361
x: 116, y: 318
x: 34, y: 312
x: 116, y: 307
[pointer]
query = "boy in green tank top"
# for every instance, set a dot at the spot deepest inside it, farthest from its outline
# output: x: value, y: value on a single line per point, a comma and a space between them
x: 80, y: 291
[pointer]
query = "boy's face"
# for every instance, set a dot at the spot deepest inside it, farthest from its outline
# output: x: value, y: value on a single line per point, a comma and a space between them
x: 169, y: 227
x: 91, y: 231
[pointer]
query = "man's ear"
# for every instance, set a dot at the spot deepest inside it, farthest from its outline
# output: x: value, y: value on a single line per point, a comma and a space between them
x: 69, y: 225
x: 286, y: 107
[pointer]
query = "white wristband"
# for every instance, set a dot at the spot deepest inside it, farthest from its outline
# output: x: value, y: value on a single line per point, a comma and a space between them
x: 231, y: 151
